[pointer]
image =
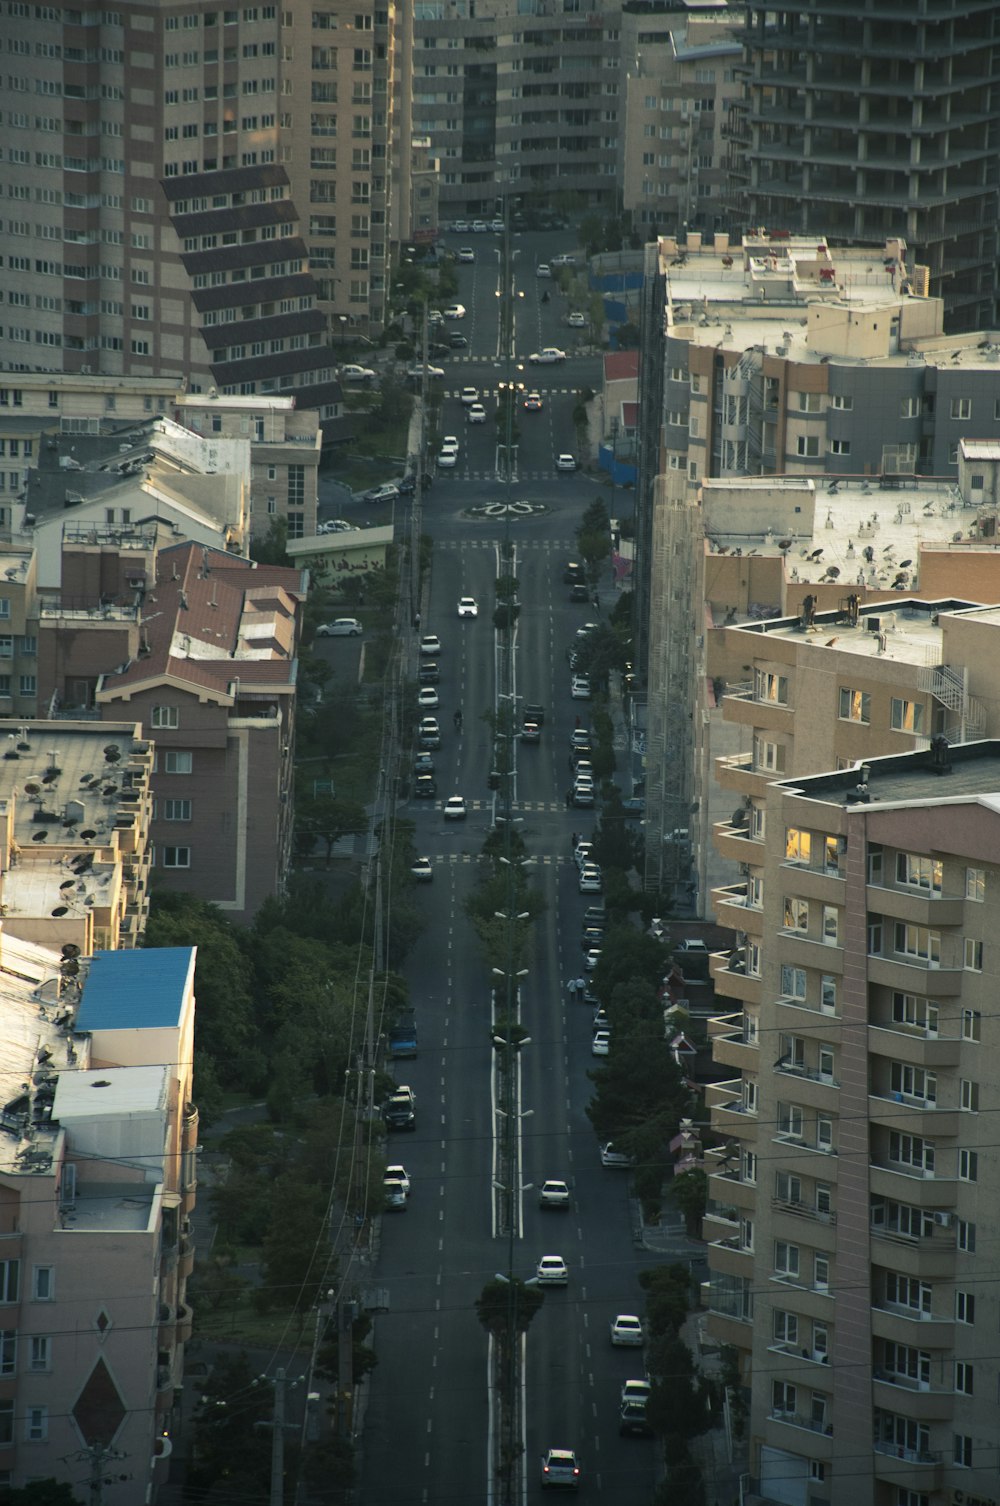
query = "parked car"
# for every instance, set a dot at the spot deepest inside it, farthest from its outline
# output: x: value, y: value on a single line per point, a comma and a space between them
x: 633, y: 1420
x: 612, y: 1156
x: 634, y: 807
x: 550, y: 355
x: 429, y: 672
x: 352, y: 373
x: 447, y: 460
x: 590, y: 881
x: 580, y: 688
x: 387, y: 492
x: 395, y: 1196
x: 428, y: 698
x: 565, y: 462
x: 430, y: 643
x: 601, y: 1043
x: 576, y: 321
x: 424, y: 787
x: 335, y: 525
x: 429, y: 733
x: 340, y: 627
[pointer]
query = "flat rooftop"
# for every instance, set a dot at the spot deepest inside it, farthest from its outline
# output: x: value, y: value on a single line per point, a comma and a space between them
x: 973, y: 775
x: 907, y: 631
x: 67, y: 781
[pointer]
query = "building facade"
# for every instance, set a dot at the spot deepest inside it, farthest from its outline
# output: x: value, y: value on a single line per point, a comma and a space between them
x: 851, y: 1217
x: 869, y: 121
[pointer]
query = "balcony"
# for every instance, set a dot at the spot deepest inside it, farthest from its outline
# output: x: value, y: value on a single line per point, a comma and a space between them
x: 823, y: 884
x: 906, y: 1185
x: 912, y: 1116
x: 916, y: 1047
x: 736, y: 772
x: 916, y: 1468
x: 185, y: 1323
x: 761, y: 716
x: 734, y: 911
x: 796, y: 1221
x: 725, y: 1329
x: 820, y: 1442
x: 798, y: 950
x: 897, y: 1393
x: 729, y: 1116
x: 729, y: 1046
x: 812, y: 1089
x: 737, y: 843
x: 915, y: 907
x: 731, y: 979
x: 927, y: 1258
x: 726, y: 1258
x: 914, y: 975
x: 798, y: 1209
x: 909, y: 1326
x: 187, y: 1255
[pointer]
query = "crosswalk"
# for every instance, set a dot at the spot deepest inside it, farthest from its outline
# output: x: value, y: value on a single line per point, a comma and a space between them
x: 525, y: 546
x: 529, y: 386
x: 467, y: 859
x: 529, y: 807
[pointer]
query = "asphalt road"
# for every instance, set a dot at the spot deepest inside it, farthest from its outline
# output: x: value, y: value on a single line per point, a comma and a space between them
x: 427, y: 1424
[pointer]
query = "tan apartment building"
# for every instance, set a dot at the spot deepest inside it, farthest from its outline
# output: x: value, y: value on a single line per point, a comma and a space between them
x: 852, y: 1216
x: 679, y: 77
x: 210, y: 672
x: 98, y: 1178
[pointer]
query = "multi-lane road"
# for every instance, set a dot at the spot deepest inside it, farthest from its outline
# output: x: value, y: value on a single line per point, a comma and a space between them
x: 427, y: 1421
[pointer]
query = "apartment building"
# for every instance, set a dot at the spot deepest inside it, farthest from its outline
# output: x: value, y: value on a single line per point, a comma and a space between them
x: 851, y: 1221
x: 188, y: 254
x: 522, y: 100
x: 98, y: 1137
x: 211, y: 673
x: 679, y: 77
x: 868, y: 121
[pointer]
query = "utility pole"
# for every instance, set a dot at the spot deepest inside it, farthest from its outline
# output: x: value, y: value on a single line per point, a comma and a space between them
x: 278, y: 1441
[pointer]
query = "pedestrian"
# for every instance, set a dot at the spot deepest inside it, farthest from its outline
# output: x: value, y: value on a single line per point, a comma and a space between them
x: 571, y: 763
x: 574, y: 838
x: 581, y: 989
x: 569, y: 800
x: 571, y: 989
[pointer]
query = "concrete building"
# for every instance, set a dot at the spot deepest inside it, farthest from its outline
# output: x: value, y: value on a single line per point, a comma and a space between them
x: 76, y: 807
x: 97, y: 1183
x: 211, y: 672
x: 869, y: 121
x: 679, y: 77
x: 852, y: 1205
x: 189, y: 255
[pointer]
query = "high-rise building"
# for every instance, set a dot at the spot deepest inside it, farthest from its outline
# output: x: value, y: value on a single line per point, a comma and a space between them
x: 173, y: 174
x: 851, y: 1219
x: 866, y: 120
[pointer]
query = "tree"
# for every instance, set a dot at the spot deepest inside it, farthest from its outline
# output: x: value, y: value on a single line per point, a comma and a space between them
x: 39, y: 1493
x: 293, y: 1261
x: 629, y: 955
x: 232, y: 1453
x: 326, y: 819
x: 615, y: 843
x: 640, y: 1097
x: 272, y: 549
x: 668, y: 1297
x: 501, y: 1304
x: 690, y: 1192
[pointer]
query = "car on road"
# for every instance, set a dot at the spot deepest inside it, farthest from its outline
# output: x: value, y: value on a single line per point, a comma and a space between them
x: 633, y: 1390
x: 580, y: 688
x: 496, y: 226
x: 584, y: 767
x: 450, y: 442
x: 335, y: 525
x: 422, y: 870
x: 423, y: 763
x: 634, y: 807
x: 595, y: 915
x: 455, y: 311
x: 429, y: 672
x: 352, y: 373
x: 565, y: 462
x: 399, y: 1174
x: 552, y: 1271
x: 531, y: 732
x: 340, y: 627
x: 476, y: 414
x: 590, y: 881
x: 408, y: 484
x: 415, y: 372
x: 468, y: 396
x: 467, y: 606
x: 612, y: 1156
x: 580, y: 738
x: 480, y: 227
x: 454, y: 808
x: 550, y: 355
x: 601, y: 1043
x: 533, y: 402
x: 576, y: 321
x: 583, y: 796
x: 395, y: 1196
x: 387, y: 492
x: 583, y: 852
x: 534, y: 712
x: 564, y: 259
x: 543, y: 269
x: 424, y: 787
x: 626, y: 1331
x: 560, y: 1467
x: 633, y: 1420
x: 464, y: 253
x: 573, y: 572
x: 447, y: 460
x: 428, y: 698
x: 578, y: 591
x: 593, y: 936
x: 429, y: 733
x: 456, y: 341
x: 399, y: 1111
x: 554, y: 1194
x: 430, y: 643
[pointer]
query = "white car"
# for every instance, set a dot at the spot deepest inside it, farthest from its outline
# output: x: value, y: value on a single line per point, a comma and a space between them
x: 587, y: 629
x: 450, y: 442
x: 611, y: 1156
x: 416, y: 372
x: 353, y: 373
x: 583, y: 852
x: 430, y: 643
x: 601, y: 1043
x: 553, y: 1194
x: 464, y: 253
x: 576, y: 321
x: 340, y: 627
x: 543, y: 269
x: 552, y: 1271
x: 636, y: 1391
x: 454, y: 808
x: 467, y: 606
x: 479, y: 227
x: 476, y: 414
x: 591, y: 958
x: 565, y: 462
x: 422, y: 870
x: 496, y: 226
x: 468, y: 396
x: 580, y: 688
x: 626, y: 1330
x: 590, y: 881
x: 335, y: 525
x: 428, y: 698
x: 460, y: 226
x: 455, y: 311
x: 551, y: 355
x: 560, y: 1467
x: 395, y: 1196
x: 565, y: 259
x: 399, y: 1174
x: 447, y: 460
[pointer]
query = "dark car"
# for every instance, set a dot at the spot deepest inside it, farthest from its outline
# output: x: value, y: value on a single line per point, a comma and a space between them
x: 573, y: 574
x: 595, y: 915
x: 534, y: 713
x: 632, y: 1420
x: 580, y: 751
x: 408, y: 484
x: 425, y: 787
x: 531, y: 732
x: 429, y: 672
x: 457, y: 340
x: 579, y: 592
x: 592, y: 936
x: 423, y: 763
x: 634, y: 807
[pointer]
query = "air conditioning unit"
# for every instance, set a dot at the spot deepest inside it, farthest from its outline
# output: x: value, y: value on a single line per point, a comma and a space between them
x: 943, y: 1219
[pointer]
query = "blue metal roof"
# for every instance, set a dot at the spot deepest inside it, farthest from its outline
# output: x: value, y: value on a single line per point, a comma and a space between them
x: 135, y: 990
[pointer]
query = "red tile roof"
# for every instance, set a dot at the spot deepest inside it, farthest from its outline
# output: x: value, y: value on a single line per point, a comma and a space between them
x: 620, y: 365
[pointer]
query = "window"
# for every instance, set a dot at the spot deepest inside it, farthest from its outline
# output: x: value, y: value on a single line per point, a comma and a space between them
x: 177, y: 810
x: 768, y: 756
x: 839, y: 447
x: 798, y: 845
x: 792, y: 1052
x: 973, y: 955
x: 43, y: 1283
x: 911, y: 1150
x: 855, y: 705
x: 842, y: 401
x: 964, y: 1382
x: 810, y: 402
x: 907, y: 1291
x: 796, y: 916
x: 828, y: 993
x: 177, y: 857
x: 175, y: 762
x: 968, y: 1166
x: 786, y: 1259
x: 750, y: 1167
x: 750, y: 1095
x: 961, y: 407
x: 10, y: 1272
x: 962, y: 1444
x: 971, y: 1025
x: 831, y: 925
x: 918, y: 942
x: 906, y: 716
x: 821, y: 1273
x: 968, y: 1096
x: 165, y: 716
x: 8, y: 1351
x: 807, y: 445
x: 793, y: 982
x: 907, y: 1081
x: 919, y: 872
x: 966, y: 1236
x: 965, y: 1307
x: 786, y: 1327
x: 36, y: 1428
x: 975, y: 884
x: 790, y: 1121
x: 27, y: 685
x: 771, y: 687
x: 909, y: 1009
x: 40, y: 1353
x: 783, y: 1398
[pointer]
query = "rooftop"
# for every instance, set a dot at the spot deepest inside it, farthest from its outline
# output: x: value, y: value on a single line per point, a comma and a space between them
x: 66, y: 783
x: 135, y: 990
x: 906, y: 631
x: 966, y: 772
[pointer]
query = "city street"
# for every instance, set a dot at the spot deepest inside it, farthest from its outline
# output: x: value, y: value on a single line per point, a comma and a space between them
x: 426, y: 1435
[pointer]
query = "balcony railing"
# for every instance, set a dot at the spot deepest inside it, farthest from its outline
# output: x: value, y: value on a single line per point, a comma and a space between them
x: 796, y: 1420
x: 909, y: 1455
x: 803, y: 1210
